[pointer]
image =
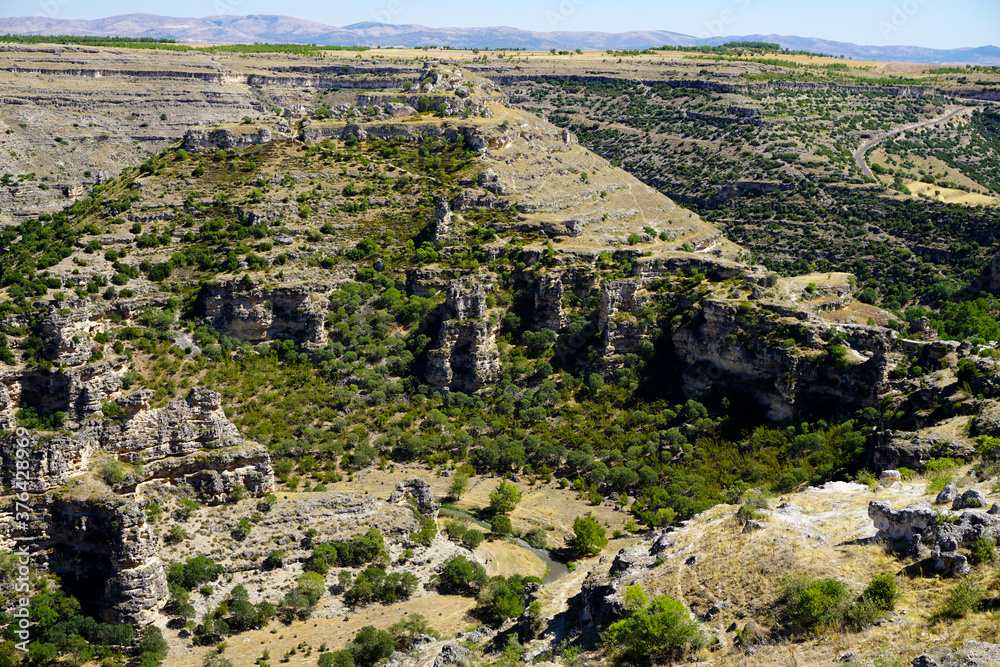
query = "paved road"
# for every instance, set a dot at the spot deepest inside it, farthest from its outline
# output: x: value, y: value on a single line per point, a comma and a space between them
x: 859, y: 155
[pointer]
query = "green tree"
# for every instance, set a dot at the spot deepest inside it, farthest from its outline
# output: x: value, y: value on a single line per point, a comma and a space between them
x: 371, y: 645
x: 462, y: 576
x: 505, y: 498
x: 311, y: 585
x: 459, y: 485
x: 472, y: 538
x: 501, y: 525
x: 663, y: 632
x: 589, y: 537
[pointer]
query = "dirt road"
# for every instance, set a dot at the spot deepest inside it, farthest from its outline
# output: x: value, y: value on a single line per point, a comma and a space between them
x: 859, y: 155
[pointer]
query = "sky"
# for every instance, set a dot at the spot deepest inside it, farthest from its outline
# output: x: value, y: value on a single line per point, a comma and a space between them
x: 939, y: 24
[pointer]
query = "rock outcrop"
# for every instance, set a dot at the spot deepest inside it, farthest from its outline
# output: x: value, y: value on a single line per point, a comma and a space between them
x: 913, y: 451
x: 185, y: 425
x: 466, y: 356
x: 621, y: 331
x: 903, y: 524
x: 106, y: 544
x: 99, y: 539
x: 947, y: 495
x: 603, y: 595
x: 442, y: 221
x: 549, y: 295
x: 246, y: 310
x: 205, y: 140
x: 918, y: 523
x: 421, y: 492
x: 51, y: 461
x: 68, y: 332
x: 452, y: 654
x: 215, y: 476
x: 971, y: 499
x: 716, y: 348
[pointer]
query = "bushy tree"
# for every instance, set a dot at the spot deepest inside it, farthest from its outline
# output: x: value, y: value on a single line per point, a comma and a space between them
x: 371, y: 645
x: 663, y: 632
x: 459, y: 485
x: 505, y: 498
x: 462, y: 576
x: 501, y: 525
x: 589, y: 537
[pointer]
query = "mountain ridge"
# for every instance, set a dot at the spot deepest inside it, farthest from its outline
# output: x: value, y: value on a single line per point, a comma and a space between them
x: 276, y: 28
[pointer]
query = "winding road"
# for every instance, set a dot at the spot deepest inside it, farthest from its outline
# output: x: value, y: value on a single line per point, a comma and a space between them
x: 859, y: 155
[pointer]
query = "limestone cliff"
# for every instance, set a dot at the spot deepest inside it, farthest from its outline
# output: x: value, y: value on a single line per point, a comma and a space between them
x: 784, y: 363
x: 205, y: 140
x: 98, y: 535
x: 622, y: 332
x: 466, y: 356
x: 249, y: 311
x: 549, y: 295
x: 108, y: 539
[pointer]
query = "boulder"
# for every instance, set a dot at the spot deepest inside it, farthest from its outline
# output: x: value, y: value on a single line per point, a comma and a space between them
x: 971, y: 499
x: 452, y: 654
x: 948, y: 494
x: 903, y: 524
x: 420, y: 491
x: 890, y: 477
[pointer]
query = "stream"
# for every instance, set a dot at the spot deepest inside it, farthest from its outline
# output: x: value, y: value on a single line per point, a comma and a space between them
x: 556, y: 569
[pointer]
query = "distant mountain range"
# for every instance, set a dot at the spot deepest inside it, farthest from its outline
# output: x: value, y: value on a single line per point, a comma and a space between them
x: 271, y: 28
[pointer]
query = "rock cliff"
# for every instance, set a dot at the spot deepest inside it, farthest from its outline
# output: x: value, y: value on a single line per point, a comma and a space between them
x: 785, y: 363
x: 466, y: 356
x: 97, y: 534
x: 210, y: 140
x: 249, y: 311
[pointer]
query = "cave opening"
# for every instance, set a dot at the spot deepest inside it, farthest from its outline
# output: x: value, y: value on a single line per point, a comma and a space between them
x: 43, y: 398
x: 82, y: 575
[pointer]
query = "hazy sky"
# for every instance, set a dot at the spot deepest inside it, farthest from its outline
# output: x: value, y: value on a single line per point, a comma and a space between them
x: 931, y: 23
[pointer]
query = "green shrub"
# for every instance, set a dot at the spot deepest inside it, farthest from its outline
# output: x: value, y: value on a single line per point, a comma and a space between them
x: 455, y: 530
x: 428, y: 529
x: 537, y: 537
x: 663, y: 632
x: 193, y: 572
x: 502, y: 598
x: 112, y: 472
x: 501, y: 525
x: 275, y: 559
x: 940, y: 472
x: 965, y: 598
x: 411, y: 627
x: 883, y: 590
x: 175, y: 535
x: 807, y: 604
x: 242, y: 529
x: 982, y: 550
x: 370, y: 646
x: 752, y: 502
